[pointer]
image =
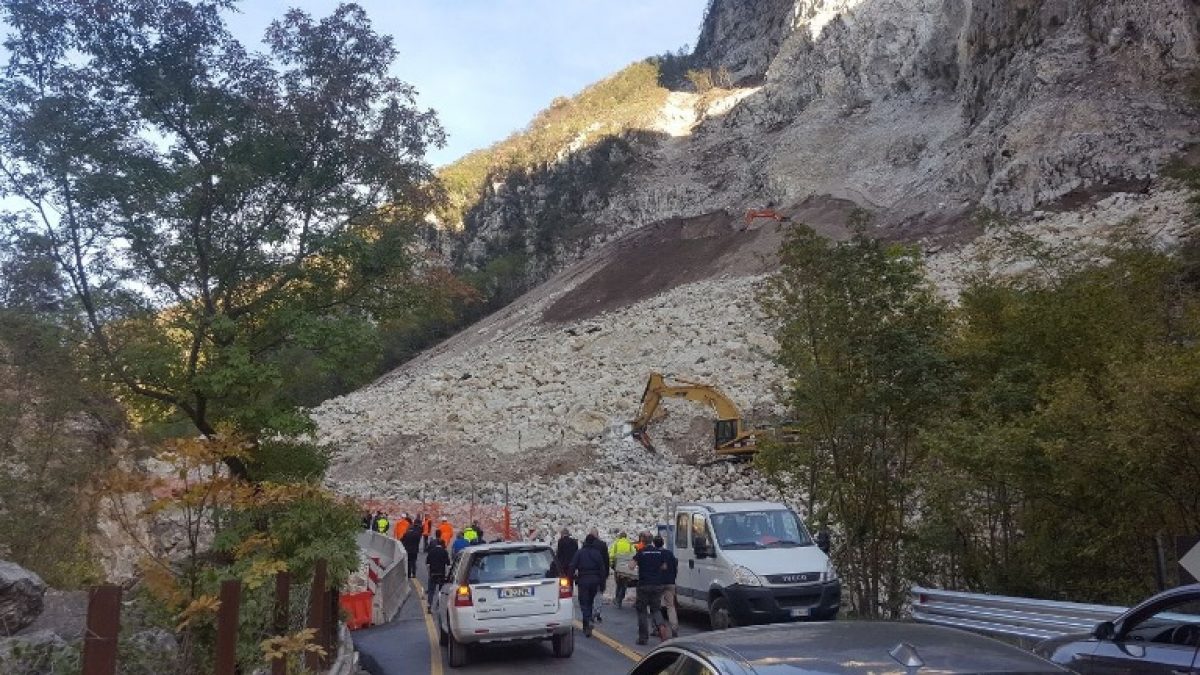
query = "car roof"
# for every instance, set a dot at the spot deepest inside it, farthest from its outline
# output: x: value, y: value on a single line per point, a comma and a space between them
x: 861, y: 647
x: 733, y: 507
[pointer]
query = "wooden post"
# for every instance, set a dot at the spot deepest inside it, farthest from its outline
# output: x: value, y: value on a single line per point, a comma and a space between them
x: 227, y: 627
x: 317, y: 608
x: 283, y: 590
x: 103, y: 625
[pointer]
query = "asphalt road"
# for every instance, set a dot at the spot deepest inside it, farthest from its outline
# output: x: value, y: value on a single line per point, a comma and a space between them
x: 408, y: 645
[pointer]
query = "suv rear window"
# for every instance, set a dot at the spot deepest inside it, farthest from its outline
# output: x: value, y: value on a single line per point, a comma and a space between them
x: 512, y: 565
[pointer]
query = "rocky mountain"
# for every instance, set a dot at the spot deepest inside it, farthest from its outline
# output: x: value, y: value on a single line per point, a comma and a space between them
x: 1057, y: 115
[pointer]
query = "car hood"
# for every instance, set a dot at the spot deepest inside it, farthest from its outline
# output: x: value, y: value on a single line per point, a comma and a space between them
x: 796, y: 560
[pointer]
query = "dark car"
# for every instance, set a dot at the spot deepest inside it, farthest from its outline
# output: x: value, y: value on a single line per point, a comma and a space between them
x: 1161, y: 635
x: 843, y: 647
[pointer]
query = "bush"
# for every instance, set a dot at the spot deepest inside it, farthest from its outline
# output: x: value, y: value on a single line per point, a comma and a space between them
x: 279, y: 461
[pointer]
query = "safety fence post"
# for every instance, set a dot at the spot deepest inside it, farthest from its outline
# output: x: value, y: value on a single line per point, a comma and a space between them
x: 103, y: 626
x: 283, y: 591
x: 318, y: 607
x: 227, y: 627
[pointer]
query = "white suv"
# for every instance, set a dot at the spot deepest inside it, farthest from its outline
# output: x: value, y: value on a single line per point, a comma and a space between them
x: 505, y: 593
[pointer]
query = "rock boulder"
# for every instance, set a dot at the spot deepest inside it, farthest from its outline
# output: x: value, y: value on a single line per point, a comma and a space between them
x: 21, y: 594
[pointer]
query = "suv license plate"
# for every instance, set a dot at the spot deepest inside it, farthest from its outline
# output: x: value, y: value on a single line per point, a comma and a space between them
x: 797, y: 613
x: 520, y: 592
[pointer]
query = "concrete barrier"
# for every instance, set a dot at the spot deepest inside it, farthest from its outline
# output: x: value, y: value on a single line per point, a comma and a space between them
x: 387, y: 574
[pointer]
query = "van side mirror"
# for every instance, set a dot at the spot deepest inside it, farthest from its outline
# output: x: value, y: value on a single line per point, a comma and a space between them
x: 1105, y: 630
x: 823, y: 541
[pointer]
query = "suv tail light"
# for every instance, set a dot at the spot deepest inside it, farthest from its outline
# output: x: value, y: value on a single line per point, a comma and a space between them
x: 564, y: 588
x: 462, y: 597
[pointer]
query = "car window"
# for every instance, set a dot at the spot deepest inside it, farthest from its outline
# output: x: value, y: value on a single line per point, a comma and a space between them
x: 1162, y: 623
x: 681, y: 531
x: 657, y: 664
x: 690, y: 666
x: 511, y: 565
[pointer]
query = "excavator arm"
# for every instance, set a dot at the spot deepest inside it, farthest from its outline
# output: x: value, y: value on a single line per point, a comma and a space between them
x: 729, y: 434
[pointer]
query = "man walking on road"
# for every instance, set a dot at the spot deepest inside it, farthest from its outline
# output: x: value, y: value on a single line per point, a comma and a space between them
x: 568, y: 546
x: 411, y: 541
x: 620, y: 546
x: 651, y: 564
x: 668, y: 597
x: 590, y: 567
x: 437, y: 559
x: 601, y: 546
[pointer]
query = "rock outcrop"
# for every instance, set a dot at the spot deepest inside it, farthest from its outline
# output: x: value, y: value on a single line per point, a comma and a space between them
x: 1055, y: 115
x: 21, y: 594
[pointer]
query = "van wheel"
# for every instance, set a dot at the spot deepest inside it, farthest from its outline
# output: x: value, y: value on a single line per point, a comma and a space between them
x: 564, y: 645
x: 457, y: 652
x: 719, y: 615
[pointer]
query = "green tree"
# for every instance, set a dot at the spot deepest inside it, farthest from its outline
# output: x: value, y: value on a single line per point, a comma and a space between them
x: 862, y: 338
x: 213, y: 209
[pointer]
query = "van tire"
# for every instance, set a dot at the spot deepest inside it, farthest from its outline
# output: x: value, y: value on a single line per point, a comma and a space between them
x: 719, y: 616
x: 457, y: 652
x: 564, y: 645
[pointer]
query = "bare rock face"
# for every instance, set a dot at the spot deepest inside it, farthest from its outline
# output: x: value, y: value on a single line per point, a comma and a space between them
x: 21, y: 594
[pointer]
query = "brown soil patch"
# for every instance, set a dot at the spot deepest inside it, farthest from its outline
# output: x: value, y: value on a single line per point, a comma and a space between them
x: 680, y: 251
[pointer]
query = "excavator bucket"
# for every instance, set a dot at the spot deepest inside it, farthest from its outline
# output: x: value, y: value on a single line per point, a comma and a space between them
x: 642, y: 437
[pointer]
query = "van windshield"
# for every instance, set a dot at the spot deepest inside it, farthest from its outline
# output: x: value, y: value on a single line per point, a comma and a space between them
x: 759, y: 529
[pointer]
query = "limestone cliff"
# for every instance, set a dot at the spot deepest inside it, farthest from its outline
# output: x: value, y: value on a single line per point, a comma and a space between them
x: 1059, y: 114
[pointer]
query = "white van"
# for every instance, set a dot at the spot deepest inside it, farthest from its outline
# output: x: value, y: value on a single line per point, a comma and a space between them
x: 750, y: 562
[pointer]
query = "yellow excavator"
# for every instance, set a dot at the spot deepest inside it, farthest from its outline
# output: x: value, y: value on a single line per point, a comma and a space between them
x: 732, y: 438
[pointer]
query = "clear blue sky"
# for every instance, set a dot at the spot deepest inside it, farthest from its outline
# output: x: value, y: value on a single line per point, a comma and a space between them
x: 487, y: 66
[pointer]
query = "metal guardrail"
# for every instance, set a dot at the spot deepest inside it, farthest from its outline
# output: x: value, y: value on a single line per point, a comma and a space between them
x: 388, y: 574
x: 1022, y: 618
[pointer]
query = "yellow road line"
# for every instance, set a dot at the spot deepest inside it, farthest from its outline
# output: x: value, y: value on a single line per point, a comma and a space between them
x: 435, y: 652
x: 612, y: 642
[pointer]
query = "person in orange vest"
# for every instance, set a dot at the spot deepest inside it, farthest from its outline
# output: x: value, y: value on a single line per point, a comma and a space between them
x: 402, y: 526
x: 445, y: 532
x: 426, y: 530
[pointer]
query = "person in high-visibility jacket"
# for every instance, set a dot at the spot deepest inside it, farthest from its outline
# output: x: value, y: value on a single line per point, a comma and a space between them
x: 620, y: 546
x: 426, y: 530
x: 402, y: 526
x: 381, y: 523
x: 470, y: 534
x: 445, y: 532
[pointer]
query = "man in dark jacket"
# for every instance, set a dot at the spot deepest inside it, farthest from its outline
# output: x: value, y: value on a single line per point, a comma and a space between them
x: 437, y: 559
x: 411, y: 541
x: 568, y: 546
x: 668, y: 596
x: 652, y: 565
x: 590, y: 567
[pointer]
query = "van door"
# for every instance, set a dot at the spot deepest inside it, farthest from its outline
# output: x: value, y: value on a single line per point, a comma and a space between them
x: 686, y: 582
x: 709, y: 568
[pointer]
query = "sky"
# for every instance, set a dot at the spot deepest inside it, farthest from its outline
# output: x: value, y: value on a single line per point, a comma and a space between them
x: 488, y: 66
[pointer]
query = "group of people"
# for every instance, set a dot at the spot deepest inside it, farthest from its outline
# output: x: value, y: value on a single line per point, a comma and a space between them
x: 417, y: 533
x: 589, y: 565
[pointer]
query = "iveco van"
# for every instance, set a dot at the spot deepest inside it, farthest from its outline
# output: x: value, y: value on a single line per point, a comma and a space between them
x: 750, y: 562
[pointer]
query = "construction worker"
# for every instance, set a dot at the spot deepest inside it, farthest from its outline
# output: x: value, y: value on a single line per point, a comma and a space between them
x: 620, y: 546
x: 426, y: 530
x: 470, y: 534
x: 445, y: 532
x: 381, y: 523
x: 402, y: 526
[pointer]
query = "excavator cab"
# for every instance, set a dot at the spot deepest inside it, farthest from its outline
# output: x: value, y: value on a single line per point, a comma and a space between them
x: 726, y: 432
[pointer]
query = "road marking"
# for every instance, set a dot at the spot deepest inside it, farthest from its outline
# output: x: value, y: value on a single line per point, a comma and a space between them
x: 612, y: 642
x: 435, y: 652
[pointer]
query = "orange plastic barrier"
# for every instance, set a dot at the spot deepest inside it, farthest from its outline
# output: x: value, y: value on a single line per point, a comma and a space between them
x: 358, y: 607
